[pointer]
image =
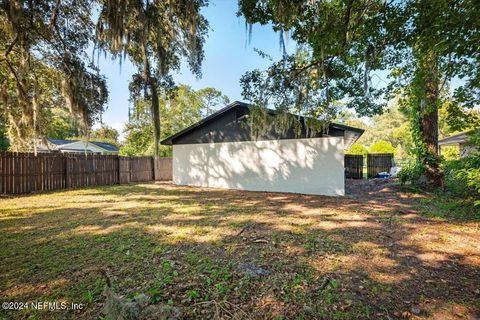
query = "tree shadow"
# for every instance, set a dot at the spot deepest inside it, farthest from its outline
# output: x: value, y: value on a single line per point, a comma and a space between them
x: 327, y: 257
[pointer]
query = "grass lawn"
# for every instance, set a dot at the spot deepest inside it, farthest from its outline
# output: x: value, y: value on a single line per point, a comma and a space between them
x: 385, y: 254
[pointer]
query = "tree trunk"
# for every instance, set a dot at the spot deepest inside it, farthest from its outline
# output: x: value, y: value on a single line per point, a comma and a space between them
x: 429, y: 121
x: 155, y: 116
x: 155, y: 106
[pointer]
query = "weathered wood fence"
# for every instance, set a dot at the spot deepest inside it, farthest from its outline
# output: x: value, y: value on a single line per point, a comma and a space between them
x: 378, y: 162
x: 25, y: 172
x: 353, y: 166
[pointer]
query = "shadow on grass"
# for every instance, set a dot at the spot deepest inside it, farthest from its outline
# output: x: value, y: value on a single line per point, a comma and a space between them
x: 327, y: 257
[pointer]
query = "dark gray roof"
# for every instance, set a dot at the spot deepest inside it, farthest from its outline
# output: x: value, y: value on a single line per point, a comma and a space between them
x: 455, y: 139
x: 104, y: 145
x: 168, y: 141
x: 59, y: 142
x: 237, y: 104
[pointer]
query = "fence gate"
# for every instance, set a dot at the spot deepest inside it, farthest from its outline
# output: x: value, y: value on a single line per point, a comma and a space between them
x: 353, y: 166
x: 378, y: 162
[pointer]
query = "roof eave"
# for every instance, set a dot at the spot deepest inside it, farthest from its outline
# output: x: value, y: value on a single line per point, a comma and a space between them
x: 169, y: 141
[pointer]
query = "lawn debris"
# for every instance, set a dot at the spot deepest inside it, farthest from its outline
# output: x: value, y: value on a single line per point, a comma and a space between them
x: 296, y: 256
x: 252, y: 270
x: 139, y: 308
x: 245, y: 228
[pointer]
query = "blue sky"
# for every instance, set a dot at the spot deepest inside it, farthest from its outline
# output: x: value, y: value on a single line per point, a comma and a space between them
x: 227, y: 57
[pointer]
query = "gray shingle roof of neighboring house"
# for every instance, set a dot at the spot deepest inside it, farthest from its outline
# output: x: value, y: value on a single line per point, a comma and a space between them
x: 104, y: 145
x: 59, y: 142
x: 455, y: 139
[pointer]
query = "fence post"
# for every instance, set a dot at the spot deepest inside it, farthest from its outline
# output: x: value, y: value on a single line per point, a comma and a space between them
x: 130, y: 169
x: 118, y: 170
x: 67, y: 173
x: 154, y: 171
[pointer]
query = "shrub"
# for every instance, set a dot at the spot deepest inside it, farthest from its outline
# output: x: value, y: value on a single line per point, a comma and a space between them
x: 357, y: 149
x: 462, y: 177
x: 381, y: 146
x: 450, y: 152
x: 412, y: 172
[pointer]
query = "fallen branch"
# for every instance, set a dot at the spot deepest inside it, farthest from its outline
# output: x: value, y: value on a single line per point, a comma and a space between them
x: 244, y: 229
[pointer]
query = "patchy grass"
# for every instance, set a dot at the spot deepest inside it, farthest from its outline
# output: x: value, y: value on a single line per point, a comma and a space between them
x: 377, y: 254
x: 450, y: 208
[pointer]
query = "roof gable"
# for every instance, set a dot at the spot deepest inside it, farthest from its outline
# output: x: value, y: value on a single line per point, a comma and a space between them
x: 228, y: 125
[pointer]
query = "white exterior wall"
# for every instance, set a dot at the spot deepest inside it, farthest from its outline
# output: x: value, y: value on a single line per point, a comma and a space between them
x: 310, y: 166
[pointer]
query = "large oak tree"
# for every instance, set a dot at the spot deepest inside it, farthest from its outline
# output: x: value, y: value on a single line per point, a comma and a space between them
x: 344, y: 44
x: 44, y: 61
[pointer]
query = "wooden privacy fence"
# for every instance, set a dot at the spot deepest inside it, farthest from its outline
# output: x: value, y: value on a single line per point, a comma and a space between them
x: 378, y: 162
x: 353, y: 166
x: 163, y: 169
x: 25, y: 172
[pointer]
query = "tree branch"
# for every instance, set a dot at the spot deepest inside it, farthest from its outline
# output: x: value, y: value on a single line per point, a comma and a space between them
x: 10, y: 46
x: 19, y: 83
x: 53, y: 19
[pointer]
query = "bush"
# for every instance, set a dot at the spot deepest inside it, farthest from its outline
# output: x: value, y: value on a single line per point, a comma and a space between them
x: 462, y: 177
x: 412, y: 172
x: 450, y: 152
x: 357, y: 149
x: 381, y: 146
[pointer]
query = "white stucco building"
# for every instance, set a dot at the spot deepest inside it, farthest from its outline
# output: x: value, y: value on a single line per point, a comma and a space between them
x: 219, y: 152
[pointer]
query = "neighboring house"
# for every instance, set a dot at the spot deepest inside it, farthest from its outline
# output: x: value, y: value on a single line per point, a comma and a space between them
x: 219, y: 151
x: 78, y: 146
x: 461, y: 141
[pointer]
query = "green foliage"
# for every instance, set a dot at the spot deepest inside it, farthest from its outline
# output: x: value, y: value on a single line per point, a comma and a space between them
x: 391, y: 126
x: 450, y: 152
x: 424, y: 45
x: 462, y: 177
x: 358, y: 149
x: 453, y: 118
x: 4, y: 143
x: 450, y: 207
x: 381, y: 146
x: 179, y: 109
x: 412, y: 172
x: 138, y: 133
x: 45, y: 62
x: 155, y: 43
x: 213, y: 99
x: 45, y: 65
x: 105, y: 134
x: 102, y: 134
x: 263, y: 121
x: 61, y: 126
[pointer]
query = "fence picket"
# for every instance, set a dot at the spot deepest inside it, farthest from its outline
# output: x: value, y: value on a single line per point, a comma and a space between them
x: 353, y: 166
x: 25, y: 172
x: 378, y: 162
